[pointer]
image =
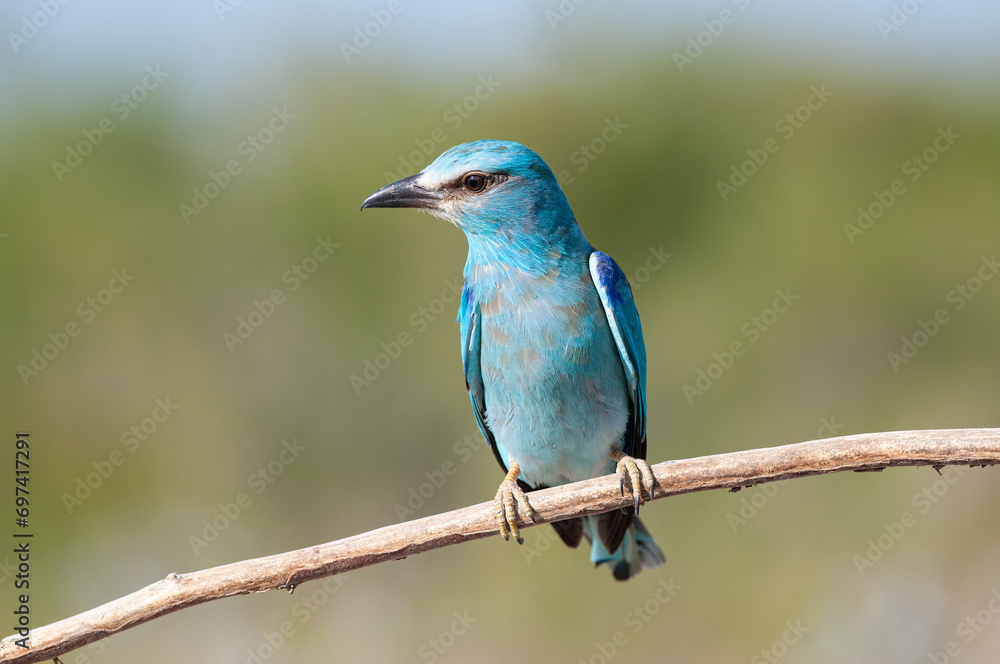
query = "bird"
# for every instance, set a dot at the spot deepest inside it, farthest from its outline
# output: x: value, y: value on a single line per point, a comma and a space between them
x: 552, y: 345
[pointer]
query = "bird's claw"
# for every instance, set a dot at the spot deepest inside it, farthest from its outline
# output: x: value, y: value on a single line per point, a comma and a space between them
x: 637, y: 472
x: 509, y: 499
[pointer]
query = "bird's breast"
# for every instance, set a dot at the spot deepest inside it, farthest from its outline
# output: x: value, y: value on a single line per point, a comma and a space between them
x: 553, y: 382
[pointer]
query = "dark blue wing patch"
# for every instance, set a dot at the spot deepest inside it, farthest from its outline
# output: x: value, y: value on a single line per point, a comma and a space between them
x: 623, y: 319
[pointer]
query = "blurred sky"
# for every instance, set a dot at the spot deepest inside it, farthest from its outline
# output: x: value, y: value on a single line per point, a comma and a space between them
x: 219, y: 49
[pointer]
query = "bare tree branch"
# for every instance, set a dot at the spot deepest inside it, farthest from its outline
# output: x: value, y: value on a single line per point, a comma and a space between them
x: 286, y: 570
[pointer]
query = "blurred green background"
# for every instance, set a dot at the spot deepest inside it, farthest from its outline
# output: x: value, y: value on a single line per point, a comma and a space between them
x: 747, y: 564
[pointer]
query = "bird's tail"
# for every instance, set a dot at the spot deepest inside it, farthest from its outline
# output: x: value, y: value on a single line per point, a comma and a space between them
x: 638, y: 550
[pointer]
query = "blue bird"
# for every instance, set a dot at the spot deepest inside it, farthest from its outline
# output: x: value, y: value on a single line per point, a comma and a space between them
x: 552, y: 345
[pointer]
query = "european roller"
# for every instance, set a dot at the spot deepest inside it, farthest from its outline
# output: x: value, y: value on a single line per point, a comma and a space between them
x: 552, y: 345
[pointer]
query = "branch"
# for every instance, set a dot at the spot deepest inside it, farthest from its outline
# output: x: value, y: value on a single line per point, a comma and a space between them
x: 862, y: 452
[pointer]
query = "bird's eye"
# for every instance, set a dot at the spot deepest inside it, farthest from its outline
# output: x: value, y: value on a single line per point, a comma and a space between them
x: 475, y: 182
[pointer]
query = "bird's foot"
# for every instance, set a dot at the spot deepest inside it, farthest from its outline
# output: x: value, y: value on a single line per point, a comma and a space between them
x: 509, y: 500
x: 637, y: 472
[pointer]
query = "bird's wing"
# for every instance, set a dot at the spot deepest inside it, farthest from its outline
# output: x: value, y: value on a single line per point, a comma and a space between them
x: 470, y: 321
x: 623, y: 319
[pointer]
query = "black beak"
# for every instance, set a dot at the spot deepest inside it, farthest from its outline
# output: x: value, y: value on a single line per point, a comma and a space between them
x: 402, y: 194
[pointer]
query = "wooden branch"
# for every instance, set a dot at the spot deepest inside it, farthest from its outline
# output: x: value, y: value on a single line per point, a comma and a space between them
x: 286, y: 570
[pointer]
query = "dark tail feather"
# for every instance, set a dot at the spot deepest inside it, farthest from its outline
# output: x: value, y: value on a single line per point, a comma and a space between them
x: 638, y: 550
x: 571, y: 531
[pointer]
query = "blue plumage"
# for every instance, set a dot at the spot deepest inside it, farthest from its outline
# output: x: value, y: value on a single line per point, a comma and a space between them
x: 552, y: 345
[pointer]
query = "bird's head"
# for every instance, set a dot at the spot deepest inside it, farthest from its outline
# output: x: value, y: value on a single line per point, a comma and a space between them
x: 485, y: 188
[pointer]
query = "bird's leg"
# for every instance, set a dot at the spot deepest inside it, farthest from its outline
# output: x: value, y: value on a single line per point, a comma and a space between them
x: 508, y: 500
x: 636, y: 471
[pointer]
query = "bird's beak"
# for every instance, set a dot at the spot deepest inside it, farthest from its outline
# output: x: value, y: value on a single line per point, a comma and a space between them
x: 405, y: 193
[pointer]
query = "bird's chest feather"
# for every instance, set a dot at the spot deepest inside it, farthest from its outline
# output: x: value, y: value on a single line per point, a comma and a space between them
x: 553, y: 382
